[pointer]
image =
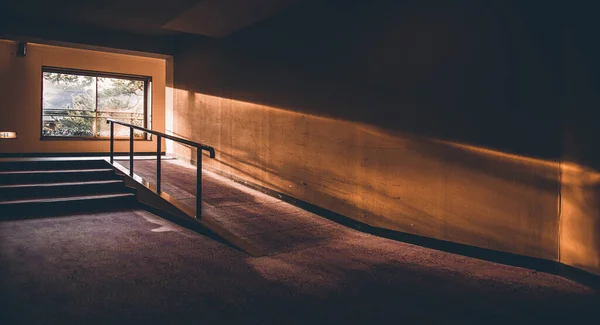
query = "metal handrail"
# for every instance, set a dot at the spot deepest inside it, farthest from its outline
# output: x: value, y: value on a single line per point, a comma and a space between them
x: 159, y: 136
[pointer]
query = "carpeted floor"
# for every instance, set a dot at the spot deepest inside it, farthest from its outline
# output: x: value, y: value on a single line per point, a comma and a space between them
x: 131, y: 267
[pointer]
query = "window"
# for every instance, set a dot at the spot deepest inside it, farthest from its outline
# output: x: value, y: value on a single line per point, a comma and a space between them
x: 77, y: 103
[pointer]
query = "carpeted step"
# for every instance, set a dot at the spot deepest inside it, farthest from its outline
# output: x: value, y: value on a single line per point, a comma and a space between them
x: 55, y: 176
x: 35, y: 207
x: 52, y: 164
x: 24, y: 191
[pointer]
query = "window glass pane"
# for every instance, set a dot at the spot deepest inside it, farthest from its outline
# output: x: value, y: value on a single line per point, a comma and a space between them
x: 123, y: 100
x: 78, y: 105
x: 68, y: 104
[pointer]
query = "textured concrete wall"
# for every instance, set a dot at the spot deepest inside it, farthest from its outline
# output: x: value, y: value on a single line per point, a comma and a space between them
x: 21, y: 94
x: 434, y: 118
x: 388, y: 179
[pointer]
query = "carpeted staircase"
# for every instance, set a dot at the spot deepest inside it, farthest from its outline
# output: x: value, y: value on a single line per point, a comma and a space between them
x: 45, y: 188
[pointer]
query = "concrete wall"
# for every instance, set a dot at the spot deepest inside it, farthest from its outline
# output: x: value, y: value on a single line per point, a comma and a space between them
x: 442, y: 119
x: 20, y: 94
x: 429, y: 118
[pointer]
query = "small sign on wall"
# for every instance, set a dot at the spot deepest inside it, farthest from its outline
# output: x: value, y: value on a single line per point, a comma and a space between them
x: 8, y: 135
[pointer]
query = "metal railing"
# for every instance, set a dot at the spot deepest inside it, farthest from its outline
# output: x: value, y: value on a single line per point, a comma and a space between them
x: 159, y: 136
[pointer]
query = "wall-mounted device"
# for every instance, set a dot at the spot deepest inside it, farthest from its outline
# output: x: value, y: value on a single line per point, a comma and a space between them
x: 21, y: 49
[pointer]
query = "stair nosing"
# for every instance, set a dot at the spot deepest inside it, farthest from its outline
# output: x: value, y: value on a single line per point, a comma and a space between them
x: 67, y: 198
x: 16, y: 186
x: 51, y: 171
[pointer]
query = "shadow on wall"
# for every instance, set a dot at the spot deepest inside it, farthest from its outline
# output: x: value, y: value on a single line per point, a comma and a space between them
x: 460, y: 71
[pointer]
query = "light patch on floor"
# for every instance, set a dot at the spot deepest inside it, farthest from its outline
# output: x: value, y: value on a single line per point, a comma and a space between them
x: 165, y: 226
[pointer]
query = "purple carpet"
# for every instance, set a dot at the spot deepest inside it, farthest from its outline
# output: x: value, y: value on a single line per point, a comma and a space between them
x: 131, y: 267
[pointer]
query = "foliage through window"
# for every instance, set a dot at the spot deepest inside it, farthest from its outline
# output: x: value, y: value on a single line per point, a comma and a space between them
x: 77, y: 104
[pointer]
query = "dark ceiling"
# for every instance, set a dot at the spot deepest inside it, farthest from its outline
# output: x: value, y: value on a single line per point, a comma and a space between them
x: 150, y: 21
x: 138, y: 16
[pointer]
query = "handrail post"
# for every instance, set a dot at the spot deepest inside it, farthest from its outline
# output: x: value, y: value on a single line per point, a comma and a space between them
x: 131, y: 151
x: 158, y: 149
x: 112, y: 142
x: 198, y: 183
x: 159, y: 135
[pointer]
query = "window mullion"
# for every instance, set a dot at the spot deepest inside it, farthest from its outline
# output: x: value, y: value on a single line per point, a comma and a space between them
x: 96, y: 112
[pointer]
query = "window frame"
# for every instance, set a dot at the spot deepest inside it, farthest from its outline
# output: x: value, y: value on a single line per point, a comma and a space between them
x: 102, y: 74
